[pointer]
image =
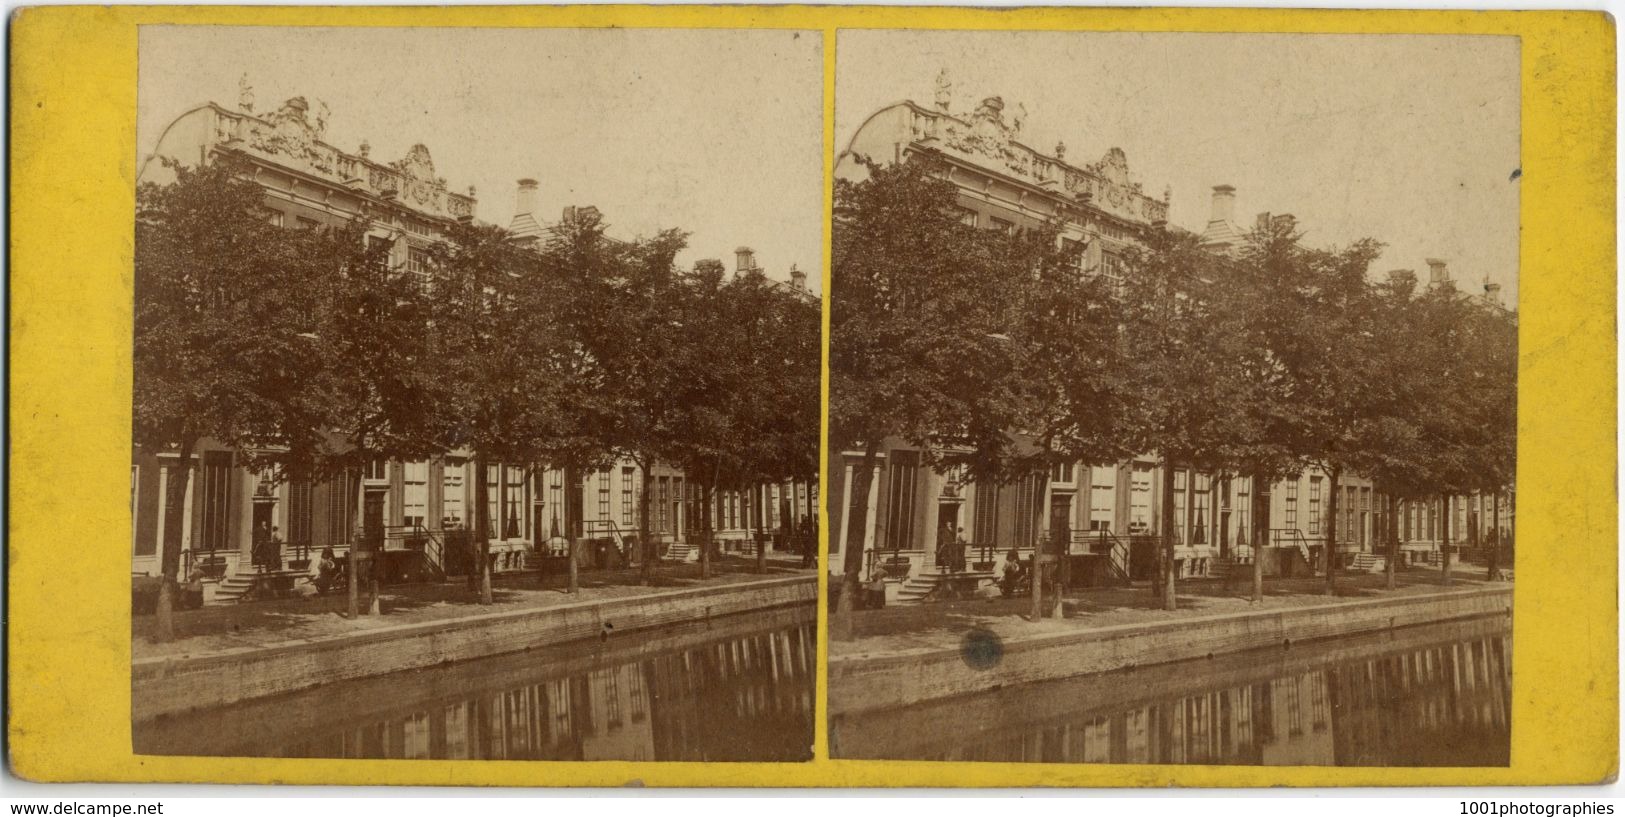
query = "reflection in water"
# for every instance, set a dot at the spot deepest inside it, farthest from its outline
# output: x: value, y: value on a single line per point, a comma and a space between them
x: 1433, y: 705
x: 746, y: 696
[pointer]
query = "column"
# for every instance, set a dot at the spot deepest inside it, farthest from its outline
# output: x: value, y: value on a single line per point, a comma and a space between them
x: 846, y: 507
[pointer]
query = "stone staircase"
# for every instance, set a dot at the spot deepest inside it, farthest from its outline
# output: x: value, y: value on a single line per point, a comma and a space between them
x: 925, y: 584
x: 681, y: 552
x: 1368, y: 563
x: 233, y: 588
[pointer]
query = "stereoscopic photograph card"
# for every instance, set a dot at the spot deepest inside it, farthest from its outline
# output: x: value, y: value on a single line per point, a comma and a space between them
x: 812, y: 396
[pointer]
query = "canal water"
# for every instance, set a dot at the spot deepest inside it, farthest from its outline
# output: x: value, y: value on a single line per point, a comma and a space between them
x: 732, y: 689
x: 1436, y: 695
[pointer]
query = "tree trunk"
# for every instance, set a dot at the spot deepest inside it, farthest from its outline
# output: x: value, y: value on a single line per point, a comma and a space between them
x: 174, y: 519
x: 353, y: 581
x: 761, y: 529
x: 646, y: 545
x: 1332, y: 475
x: 1494, y: 566
x: 1260, y: 539
x: 705, y: 530
x: 851, y: 580
x: 1170, y: 597
x: 1393, y: 542
x: 1444, y: 539
x: 482, y: 528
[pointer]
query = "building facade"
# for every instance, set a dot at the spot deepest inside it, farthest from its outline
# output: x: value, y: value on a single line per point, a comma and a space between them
x: 1107, y: 517
x: 423, y: 508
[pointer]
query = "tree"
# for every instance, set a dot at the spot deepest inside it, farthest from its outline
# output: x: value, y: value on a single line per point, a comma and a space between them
x: 1318, y: 329
x: 518, y: 386
x: 223, y: 309
x: 920, y: 304
x: 1196, y: 380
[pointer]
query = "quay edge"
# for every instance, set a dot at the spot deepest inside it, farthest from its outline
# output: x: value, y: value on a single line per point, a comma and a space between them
x: 172, y: 685
x: 866, y: 683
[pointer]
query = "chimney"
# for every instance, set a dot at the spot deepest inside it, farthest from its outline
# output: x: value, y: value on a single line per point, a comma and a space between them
x: 1438, y: 272
x: 525, y: 199
x: 1492, y: 292
x: 744, y: 260
x: 1224, y: 203
x: 798, y: 279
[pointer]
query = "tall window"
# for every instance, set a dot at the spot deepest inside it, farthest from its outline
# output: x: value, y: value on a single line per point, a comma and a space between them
x: 216, y: 499
x: 453, y: 485
x: 1073, y: 250
x: 1243, y: 508
x: 1111, y: 266
x: 1314, y: 505
x: 1140, y: 499
x: 987, y: 513
x: 340, y: 505
x: 555, y: 503
x: 626, y: 496
x: 301, y: 513
x: 415, y: 494
x: 1199, y: 499
x: 1179, y: 506
x: 1292, y: 504
x: 1029, y: 506
x: 493, y: 501
x: 900, y: 499
x: 603, y: 494
x: 513, y: 502
x: 967, y: 217
x: 662, y: 486
x: 1102, y: 498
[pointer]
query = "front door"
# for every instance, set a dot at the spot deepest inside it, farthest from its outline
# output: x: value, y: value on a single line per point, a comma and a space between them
x: 1060, y: 521
x: 947, y: 554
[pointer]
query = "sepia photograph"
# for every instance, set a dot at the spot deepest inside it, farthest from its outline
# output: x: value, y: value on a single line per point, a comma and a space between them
x: 1173, y: 398
x: 476, y: 393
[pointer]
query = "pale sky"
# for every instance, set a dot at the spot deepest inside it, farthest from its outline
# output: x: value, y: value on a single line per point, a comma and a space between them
x: 1411, y: 140
x: 717, y: 132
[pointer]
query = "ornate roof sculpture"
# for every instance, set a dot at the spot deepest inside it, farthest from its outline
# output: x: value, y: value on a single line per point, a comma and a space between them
x: 293, y: 136
x: 991, y: 136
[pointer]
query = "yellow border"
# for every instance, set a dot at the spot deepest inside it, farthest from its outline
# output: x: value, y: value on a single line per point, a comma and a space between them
x: 73, y: 114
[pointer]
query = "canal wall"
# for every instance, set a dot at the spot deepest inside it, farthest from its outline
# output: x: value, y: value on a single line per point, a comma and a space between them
x: 171, y: 685
x: 866, y: 683
x: 933, y: 729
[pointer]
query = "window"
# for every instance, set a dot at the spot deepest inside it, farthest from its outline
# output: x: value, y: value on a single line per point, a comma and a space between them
x: 1102, y: 498
x: 1111, y: 266
x: 1179, y: 507
x: 986, y: 519
x: 276, y: 218
x: 662, y: 486
x: 307, y: 223
x: 1140, y: 499
x: 603, y: 494
x: 216, y: 499
x: 1314, y: 505
x: 555, y: 501
x: 415, y: 494
x: 493, y: 500
x: 301, y: 513
x: 514, y: 521
x: 453, y: 488
x: 340, y: 504
x: 1062, y: 473
x: 1292, y: 505
x: 1003, y: 225
x: 1074, y: 250
x: 1029, y: 499
x: 1199, y: 500
x: 626, y: 496
x: 900, y: 499
x: 376, y: 469
x: 1243, y: 506
x: 967, y: 217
